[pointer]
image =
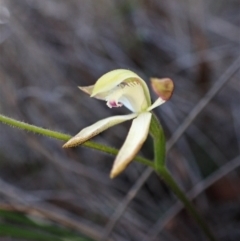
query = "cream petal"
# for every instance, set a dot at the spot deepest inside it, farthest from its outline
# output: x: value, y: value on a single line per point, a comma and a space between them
x: 115, y: 77
x: 98, y: 127
x: 89, y: 89
x: 158, y: 102
x: 134, y: 141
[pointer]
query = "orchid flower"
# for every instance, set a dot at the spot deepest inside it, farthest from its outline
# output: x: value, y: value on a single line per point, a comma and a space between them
x: 123, y: 88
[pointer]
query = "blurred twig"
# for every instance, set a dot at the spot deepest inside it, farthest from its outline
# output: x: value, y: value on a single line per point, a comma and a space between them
x: 225, y: 77
x: 224, y: 28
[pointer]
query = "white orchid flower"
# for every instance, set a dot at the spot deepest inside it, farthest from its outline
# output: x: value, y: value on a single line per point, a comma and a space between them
x: 122, y: 87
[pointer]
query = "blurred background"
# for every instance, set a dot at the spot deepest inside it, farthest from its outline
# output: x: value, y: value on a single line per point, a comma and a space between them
x: 48, y: 48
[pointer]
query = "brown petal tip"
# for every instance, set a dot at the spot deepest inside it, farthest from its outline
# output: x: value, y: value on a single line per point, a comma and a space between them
x: 86, y: 89
x: 163, y: 87
x: 67, y: 145
x: 73, y: 142
x: 113, y: 175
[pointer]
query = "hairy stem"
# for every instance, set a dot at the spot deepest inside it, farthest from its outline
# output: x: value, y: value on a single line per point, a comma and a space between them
x: 65, y: 137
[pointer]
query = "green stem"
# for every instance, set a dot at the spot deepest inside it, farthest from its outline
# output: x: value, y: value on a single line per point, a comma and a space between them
x: 159, y: 142
x: 160, y: 167
x: 166, y: 176
x: 65, y: 137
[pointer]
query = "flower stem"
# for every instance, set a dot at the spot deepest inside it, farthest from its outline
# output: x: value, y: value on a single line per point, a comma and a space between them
x: 161, y: 169
x: 166, y: 176
x: 159, y: 142
x: 65, y: 137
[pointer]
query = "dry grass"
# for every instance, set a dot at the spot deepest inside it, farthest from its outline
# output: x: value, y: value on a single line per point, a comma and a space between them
x: 49, y: 47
